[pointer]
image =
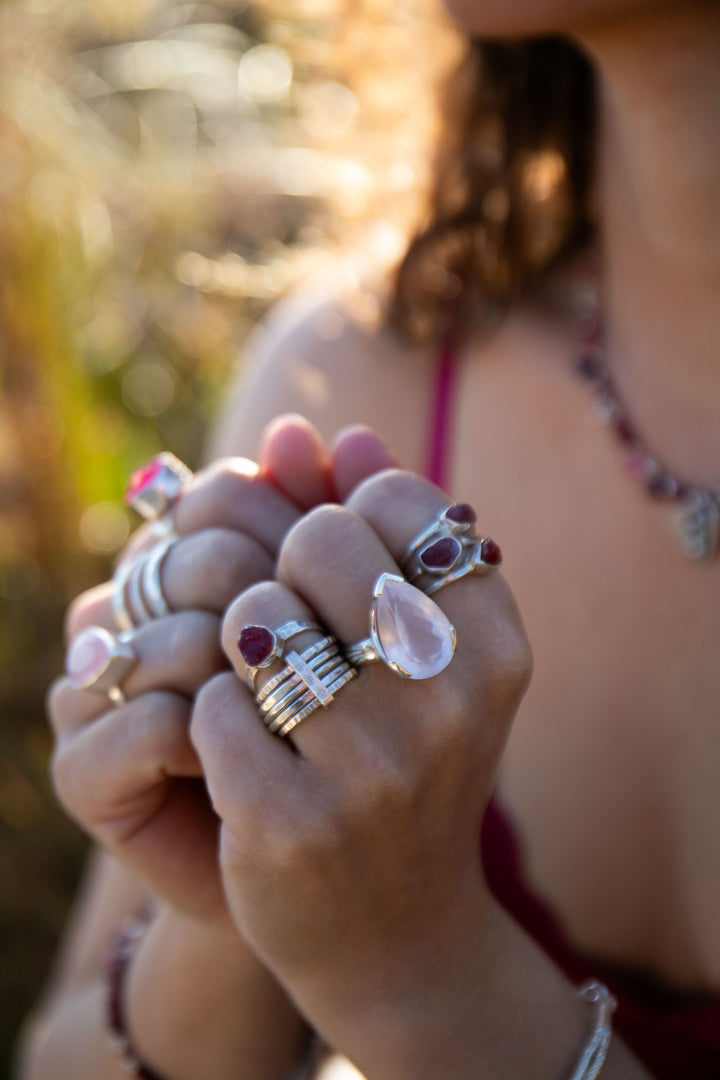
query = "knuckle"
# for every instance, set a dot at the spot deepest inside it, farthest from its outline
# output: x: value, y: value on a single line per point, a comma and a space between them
x: 263, y: 601
x: 234, y: 560
x: 227, y: 478
x: 318, y: 535
x: 193, y: 638
x: 399, y: 483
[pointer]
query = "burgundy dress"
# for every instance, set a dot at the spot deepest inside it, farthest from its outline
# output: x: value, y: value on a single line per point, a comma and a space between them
x: 675, y: 1035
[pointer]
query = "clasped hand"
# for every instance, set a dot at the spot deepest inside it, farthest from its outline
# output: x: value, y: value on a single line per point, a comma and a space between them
x: 349, y: 854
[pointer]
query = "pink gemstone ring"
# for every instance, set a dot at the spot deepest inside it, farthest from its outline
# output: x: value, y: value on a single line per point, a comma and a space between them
x: 154, y: 487
x: 408, y: 631
x: 98, y: 661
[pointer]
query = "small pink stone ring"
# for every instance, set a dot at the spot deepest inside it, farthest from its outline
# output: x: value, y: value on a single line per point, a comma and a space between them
x: 154, y: 487
x: 98, y: 661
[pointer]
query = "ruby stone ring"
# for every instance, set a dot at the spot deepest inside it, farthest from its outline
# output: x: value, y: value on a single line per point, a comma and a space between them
x: 408, y: 631
x: 98, y: 661
x: 448, y: 549
x: 259, y: 646
x: 154, y: 487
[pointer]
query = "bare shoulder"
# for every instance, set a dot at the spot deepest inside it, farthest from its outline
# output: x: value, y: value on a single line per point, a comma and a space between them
x: 319, y: 355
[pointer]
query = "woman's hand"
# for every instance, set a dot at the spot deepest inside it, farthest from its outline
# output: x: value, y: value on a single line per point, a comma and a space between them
x: 130, y: 775
x: 350, y: 860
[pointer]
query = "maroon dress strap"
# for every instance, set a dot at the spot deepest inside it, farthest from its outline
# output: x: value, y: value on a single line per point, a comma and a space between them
x: 442, y: 409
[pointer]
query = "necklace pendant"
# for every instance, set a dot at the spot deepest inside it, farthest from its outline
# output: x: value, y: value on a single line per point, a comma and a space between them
x: 699, y: 527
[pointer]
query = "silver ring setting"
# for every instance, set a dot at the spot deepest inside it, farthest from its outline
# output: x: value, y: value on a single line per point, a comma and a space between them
x: 98, y: 661
x: 448, y: 549
x: 259, y: 645
x: 308, y: 681
x: 408, y: 632
x: 154, y: 487
x: 138, y: 596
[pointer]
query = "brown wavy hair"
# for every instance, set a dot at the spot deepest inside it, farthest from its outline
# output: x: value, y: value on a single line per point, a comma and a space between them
x: 512, y: 196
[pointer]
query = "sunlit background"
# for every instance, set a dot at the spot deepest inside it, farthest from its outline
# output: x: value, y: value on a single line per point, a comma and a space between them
x: 167, y: 171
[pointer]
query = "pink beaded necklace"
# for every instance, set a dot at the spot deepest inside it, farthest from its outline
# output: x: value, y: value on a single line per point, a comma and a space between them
x: 697, y: 507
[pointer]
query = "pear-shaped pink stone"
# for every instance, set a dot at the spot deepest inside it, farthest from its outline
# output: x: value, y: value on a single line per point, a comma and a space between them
x: 413, y: 632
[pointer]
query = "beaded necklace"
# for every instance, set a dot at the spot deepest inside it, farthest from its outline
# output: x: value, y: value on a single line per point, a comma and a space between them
x: 697, y: 507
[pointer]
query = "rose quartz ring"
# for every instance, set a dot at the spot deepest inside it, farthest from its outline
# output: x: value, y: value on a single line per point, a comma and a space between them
x: 448, y: 549
x: 98, y: 661
x: 408, y: 631
x: 154, y: 487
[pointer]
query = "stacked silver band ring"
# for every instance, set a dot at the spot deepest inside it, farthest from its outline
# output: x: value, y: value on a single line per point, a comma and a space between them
x: 308, y: 681
x: 138, y: 595
x: 448, y: 549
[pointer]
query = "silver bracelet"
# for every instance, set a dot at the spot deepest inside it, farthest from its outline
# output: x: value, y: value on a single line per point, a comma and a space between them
x: 595, y: 1051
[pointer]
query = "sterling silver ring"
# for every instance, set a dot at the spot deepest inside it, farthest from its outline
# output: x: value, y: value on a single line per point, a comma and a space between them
x: 154, y: 487
x: 259, y: 645
x: 408, y: 632
x: 97, y: 660
x: 448, y: 549
x: 138, y: 596
x: 308, y: 680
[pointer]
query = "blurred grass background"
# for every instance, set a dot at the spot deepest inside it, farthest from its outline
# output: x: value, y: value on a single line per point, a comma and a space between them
x: 167, y: 170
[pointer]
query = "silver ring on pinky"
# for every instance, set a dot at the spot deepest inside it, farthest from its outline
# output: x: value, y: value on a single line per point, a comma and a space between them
x: 99, y: 661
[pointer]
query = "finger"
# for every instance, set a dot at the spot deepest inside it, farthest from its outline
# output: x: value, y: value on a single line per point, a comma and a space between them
x: 203, y: 571
x: 232, y: 493
x: 334, y: 556
x: 294, y: 455
x: 128, y: 751
x: 399, y: 505
x: 247, y: 769
x: 357, y: 453
x: 178, y: 654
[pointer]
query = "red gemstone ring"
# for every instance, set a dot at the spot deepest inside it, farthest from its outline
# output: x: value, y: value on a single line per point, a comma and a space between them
x: 154, y: 487
x: 448, y: 549
x: 259, y: 646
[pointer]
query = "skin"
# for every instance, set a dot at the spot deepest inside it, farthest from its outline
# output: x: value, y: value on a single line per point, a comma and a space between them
x: 608, y: 768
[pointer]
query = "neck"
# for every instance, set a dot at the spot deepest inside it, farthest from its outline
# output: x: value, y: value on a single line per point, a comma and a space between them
x: 659, y: 193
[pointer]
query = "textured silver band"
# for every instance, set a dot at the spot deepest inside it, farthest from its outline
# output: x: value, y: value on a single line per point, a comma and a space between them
x: 308, y: 681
